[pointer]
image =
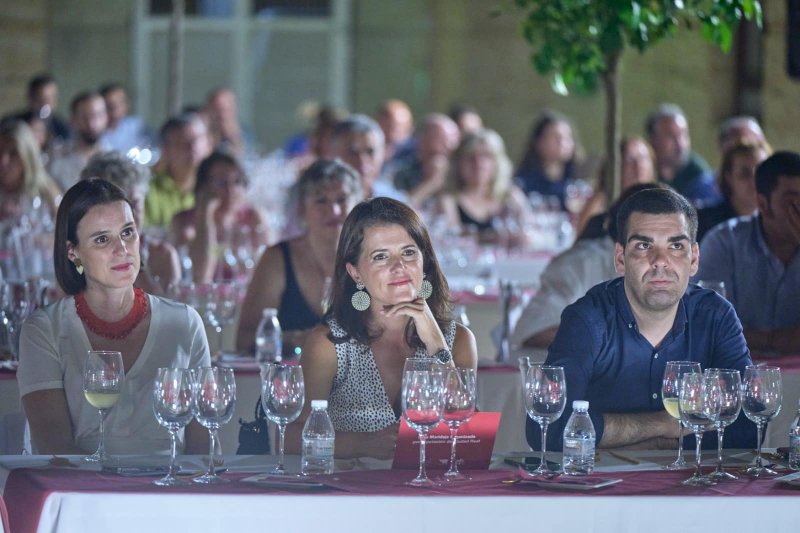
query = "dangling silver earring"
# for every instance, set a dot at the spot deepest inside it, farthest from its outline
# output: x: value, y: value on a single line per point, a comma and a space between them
x: 79, y: 266
x: 360, y: 299
x: 425, y: 289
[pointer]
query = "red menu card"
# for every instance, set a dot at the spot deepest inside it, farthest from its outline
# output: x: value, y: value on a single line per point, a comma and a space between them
x: 473, y: 450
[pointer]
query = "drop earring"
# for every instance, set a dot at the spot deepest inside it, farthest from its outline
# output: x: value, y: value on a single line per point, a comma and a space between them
x: 78, y: 266
x: 425, y: 289
x: 360, y: 299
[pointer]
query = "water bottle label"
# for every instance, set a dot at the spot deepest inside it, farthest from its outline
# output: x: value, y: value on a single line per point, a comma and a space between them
x: 318, y: 447
x: 579, y: 447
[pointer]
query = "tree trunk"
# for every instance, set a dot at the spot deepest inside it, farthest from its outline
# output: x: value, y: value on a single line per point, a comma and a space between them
x: 175, y: 74
x: 613, y: 121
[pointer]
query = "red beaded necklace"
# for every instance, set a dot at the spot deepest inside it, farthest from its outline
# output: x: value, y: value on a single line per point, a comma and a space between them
x: 113, y: 330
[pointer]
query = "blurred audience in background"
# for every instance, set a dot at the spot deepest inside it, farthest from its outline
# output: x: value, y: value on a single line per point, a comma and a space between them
x: 637, y: 165
x: 676, y: 164
x: 423, y: 173
x: 221, y: 221
x: 226, y: 131
x: 89, y: 120
x: 292, y: 275
x: 397, y: 122
x: 124, y: 131
x: 184, y: 144
x: 466, y: 118
x: 24, y: 183
x: 550, y: 160
x: 481, y: 197
x: 737, y: 183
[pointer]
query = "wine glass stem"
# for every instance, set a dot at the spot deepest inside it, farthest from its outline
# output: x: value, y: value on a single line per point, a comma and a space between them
x: 173, y: 434
x: 422, y: 474
x: 758, y: 447
x: 720, y: 435
x: 453, y: 435
x: 101, y: 448
x: 543, y: 464
x: 698, y: 437
x: 680, y: 442
x: 218, y: 332
x: 212, y: 447
x: 282, y: 432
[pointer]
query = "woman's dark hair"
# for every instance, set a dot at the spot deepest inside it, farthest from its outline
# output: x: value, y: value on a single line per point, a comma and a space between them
x: 383, y: 211
x: 531, y: 160
x: 216, y: 157
x: 74, y: 205
x: 730, y: 157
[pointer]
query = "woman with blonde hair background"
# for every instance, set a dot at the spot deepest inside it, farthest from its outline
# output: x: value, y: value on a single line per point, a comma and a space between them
x: 481, y: 195
x: 23, y: 178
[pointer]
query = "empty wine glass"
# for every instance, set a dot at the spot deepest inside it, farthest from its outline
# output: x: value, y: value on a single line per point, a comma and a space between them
x: 103, y: 374
x: 227, y: 295
x: 459, y: 405
x: 730, y: 390
x: 670, y: 396
x: 215, y: 399
x: 545, y: 398
x: 173, y: 399
x: 423, y: 405
x: 699, y: 407
x: 282, y: 397
x: 327, y: 294
x: 761, y: 401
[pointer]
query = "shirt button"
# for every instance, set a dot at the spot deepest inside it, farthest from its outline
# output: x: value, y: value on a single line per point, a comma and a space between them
x: 655, y: 396
x: 655, y: 355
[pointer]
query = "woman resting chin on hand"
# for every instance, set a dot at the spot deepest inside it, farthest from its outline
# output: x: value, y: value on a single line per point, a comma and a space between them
x: 390, y: 302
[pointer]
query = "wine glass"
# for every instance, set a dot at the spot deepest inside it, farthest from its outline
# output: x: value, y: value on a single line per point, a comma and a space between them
x: 699, y: 406
x: 226, y: 302
x: 459, y: 405
x: 103, y: 374
x: 423, y: 405
x: 670, y: 396
x: 761, y: 401
x: 173, y: 399
x: 282, y: 397
x: 545, y: 398
x: 730, y: 390
x: 215, y: 399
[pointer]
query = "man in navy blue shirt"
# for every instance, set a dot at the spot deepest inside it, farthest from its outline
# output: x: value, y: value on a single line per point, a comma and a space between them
x: 614, y: 343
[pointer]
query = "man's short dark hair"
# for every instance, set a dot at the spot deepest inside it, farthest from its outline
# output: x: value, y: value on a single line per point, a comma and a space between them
x: 39, y: 81
x: 176, y: 123
x: 655, y: 202
x: 779, y: 164
x: 80, y: 98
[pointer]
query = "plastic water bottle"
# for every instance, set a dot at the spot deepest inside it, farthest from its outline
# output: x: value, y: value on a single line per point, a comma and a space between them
x: 318, y: 439
x: 794, y: 442
x: 269, y: 345
x: 579, y: 440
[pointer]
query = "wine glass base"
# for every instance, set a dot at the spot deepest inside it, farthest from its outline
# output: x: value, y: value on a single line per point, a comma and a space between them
x: 455, y: 476
x: 170, y: 481
x: 422, y: 482
x: 209, y: 479
x: 722, y: 475
x: 699, y: 481
x: 97, y: 458
x: 545, y: 473
x: 759, y: 472
x: 679, y: 464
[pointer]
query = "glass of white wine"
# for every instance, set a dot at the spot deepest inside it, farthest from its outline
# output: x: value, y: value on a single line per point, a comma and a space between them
x: 670, y: 396
x: 103, y: 374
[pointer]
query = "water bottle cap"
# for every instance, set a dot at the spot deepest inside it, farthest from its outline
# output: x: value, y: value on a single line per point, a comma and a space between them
x: 583, y: 405
x: 319, y: 404
x: 269, y: 311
